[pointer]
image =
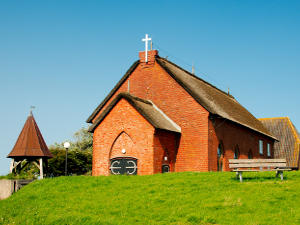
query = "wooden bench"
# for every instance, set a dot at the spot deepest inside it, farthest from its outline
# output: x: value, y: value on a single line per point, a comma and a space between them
x: 257, y: 165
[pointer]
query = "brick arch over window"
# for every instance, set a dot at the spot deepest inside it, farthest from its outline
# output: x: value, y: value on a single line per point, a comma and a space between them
x: 123, y: 141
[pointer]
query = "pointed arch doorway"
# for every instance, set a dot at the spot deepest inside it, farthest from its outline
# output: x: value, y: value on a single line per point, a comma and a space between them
x: 122, y: 156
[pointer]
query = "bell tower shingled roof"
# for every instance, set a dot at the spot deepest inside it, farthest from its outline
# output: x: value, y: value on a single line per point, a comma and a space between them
x: 30, y: 142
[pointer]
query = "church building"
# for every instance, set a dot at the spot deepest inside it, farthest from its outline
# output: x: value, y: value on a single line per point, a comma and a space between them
x: 161, y: 118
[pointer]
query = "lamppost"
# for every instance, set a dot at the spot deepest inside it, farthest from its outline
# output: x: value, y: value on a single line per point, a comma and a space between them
x: 66, y: 145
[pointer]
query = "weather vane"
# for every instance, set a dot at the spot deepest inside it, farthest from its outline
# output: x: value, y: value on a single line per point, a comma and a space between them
x: 31, y: 108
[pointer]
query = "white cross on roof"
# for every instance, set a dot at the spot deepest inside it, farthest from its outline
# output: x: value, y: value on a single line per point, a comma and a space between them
x: 146, y: 39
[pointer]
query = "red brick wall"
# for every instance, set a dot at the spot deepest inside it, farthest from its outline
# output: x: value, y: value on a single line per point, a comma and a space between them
x: 232, y: 135
x: 150, y: 81
x: 165, y: 145
x: 122, y: 128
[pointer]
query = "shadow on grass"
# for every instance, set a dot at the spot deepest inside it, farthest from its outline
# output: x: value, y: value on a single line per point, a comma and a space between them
x: 259, y: 177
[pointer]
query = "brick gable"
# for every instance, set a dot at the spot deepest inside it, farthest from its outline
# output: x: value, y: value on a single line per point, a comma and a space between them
x: 117, y: 131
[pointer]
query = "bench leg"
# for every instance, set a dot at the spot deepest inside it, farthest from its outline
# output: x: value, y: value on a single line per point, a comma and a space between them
x: 237, y: 175
x: 281, y: 175
x: 241, y: 177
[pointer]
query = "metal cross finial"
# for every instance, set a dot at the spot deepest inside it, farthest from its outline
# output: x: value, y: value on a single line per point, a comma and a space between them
x: 193, y: 69
x: 146, y: 39
x: 31, y: 108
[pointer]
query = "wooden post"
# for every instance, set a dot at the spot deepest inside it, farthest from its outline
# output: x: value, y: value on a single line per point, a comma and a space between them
x: 12, y: 165
x: 17, y: 166
x: 41, y: 169
x: 46, y: 168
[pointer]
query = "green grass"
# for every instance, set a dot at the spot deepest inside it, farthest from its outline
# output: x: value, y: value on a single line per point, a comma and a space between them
x: 20, y: 176
x: 174, y: 198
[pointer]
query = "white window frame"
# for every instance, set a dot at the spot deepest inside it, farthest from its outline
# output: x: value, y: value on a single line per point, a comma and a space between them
x: 269, y: 149
x: 261, y: 147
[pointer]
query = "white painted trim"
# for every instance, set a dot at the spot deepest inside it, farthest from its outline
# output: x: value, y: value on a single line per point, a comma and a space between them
x: 167, y: 118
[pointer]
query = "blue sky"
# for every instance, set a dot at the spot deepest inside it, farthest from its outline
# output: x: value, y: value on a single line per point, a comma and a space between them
x: 65, y: 56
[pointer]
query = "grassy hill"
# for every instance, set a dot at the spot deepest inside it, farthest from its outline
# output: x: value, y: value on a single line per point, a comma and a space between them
x: 175, y: 198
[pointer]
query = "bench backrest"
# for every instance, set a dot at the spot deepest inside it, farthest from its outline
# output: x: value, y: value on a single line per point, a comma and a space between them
x: 253, y: 163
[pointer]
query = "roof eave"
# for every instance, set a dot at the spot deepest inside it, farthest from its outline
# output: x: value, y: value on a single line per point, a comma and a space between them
x: 131, y: 102
x: 25, y: 156
x: 101, y: 105
x: 251, y: 128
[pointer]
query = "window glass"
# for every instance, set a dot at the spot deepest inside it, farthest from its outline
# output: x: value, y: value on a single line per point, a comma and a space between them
x: 269, y: 149
x: 220, y: 151
x: 250, y: 155
x: 236, y: 153
x: 220, y: 158
x: 261, y: 147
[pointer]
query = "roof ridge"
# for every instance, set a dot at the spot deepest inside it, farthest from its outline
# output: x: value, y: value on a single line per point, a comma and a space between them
x: 193, y: 75
x: 271, y: 118
x: 41, y: 140
x: 29, y: 120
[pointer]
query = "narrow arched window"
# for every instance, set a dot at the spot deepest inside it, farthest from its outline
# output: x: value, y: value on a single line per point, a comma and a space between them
x: 220, y: 154
x: 250, y: 155
x: 236, y: 153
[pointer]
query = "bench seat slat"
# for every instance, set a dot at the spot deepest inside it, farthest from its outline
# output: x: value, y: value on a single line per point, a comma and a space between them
x: 244, y: 170
x: 240, y: 161
x: 257, y: 165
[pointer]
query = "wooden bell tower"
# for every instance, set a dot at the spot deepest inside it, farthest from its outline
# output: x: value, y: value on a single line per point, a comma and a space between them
x: 29, y: 148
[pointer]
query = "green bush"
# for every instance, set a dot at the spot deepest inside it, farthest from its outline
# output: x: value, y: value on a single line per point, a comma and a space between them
x: 79, y: 162
x: 79, y: 156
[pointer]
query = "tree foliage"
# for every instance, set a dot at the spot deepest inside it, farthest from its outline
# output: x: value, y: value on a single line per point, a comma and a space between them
x: 83, y: 140
x: 79, y: 155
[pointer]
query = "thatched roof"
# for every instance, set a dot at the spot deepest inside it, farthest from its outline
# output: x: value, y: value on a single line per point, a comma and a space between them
x: 30, y: 142
x: 288, y: 136
x: 211, y: 98
x: 146, y: 108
